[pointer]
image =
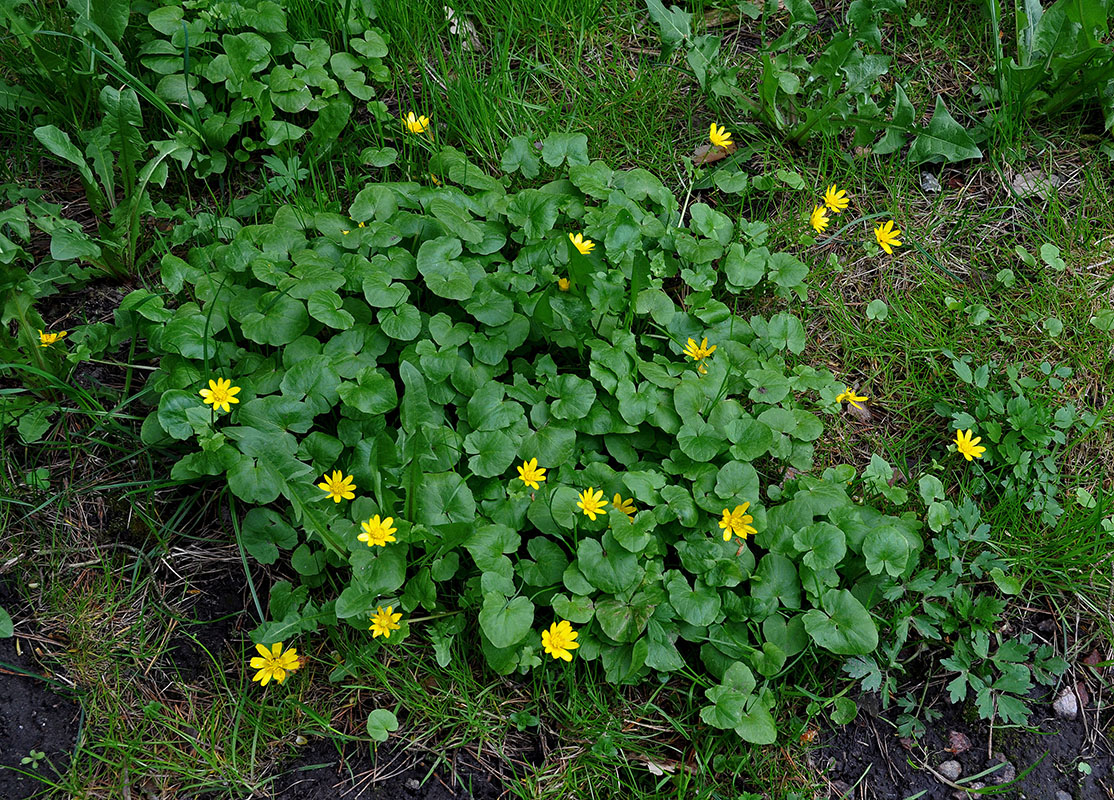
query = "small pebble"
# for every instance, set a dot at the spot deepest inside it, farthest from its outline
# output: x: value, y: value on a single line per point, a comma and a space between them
x: 413, y: 784
x: 1062, y: 795
x: 1004, y: 774
x: 1066, y: 706
x: 950, y: 770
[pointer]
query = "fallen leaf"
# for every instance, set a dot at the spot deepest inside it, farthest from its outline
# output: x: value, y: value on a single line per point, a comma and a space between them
x: 930, y: 183
x: 1093, y: 658
x: 710, y: 153
x: 958, y: 742
x: 1035, y: 183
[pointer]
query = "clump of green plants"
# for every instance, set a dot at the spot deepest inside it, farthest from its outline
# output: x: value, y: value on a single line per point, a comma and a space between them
x: 250, y: 86
x: 954, y: 603
x: 1025, y: 427
x: 458, y: 404
x: 842, y: 89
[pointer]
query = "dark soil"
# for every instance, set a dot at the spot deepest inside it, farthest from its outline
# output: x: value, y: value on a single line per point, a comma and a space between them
x: 213, y: 626
x: 866, y: 760
x: 34, y: 715
x: 322, y: 772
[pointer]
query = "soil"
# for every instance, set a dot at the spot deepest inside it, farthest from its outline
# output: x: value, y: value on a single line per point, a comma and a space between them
x: 866, y: 760
x: 323, y: 773
x: 34, y: 714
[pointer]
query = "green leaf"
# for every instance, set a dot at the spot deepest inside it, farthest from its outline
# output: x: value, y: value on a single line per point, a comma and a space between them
x: 173, y: 408
x: 263, y: 532
x: 745, y: 269
x: 559, y: 147
x: 255, y: 481
x: 534, y: 211
x: 325, y: 306
x: 675, y: 24
x: 786, y: 270
x: 574, y: 397
x: 403, y: 323
x: 276, y: 319
x: 943, y: 140
x: 700, y: 441
x: 7, y: 629
x: 380, y: 724
x: 737, y: 481
x: 897, y: 133
x: 613, y: 571
x: 885, y: 547
x: 372, y: 392
x: 492, y: 452
x: 843, y: 626
x: 444, y: 276
x: 506, y: 622
x: 58, y: 142
x: 444, y: 498
x: 519, y: 156
x: 823, y: 544
x: 877, y: 309
x: 697, y: 606
x: 621, y: 621
x: 247, y: 53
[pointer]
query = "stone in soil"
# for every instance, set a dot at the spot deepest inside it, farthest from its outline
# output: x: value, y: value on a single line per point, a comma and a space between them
x: 1066, y: 706
x: 950, y: 770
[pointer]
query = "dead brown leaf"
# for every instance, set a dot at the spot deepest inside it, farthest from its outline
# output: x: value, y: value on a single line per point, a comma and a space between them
x: 710, y: 153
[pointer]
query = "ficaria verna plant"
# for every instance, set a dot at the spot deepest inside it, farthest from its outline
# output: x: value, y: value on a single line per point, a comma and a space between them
x: 438, y: 431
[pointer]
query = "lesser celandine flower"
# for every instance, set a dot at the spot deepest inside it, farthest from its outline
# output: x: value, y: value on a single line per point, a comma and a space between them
x: 699, y: 352
x: 818, y: 219
x: 220, y: 394
x: 274, y: 663
x: 563, y: 284
x: 968, y: 447
x: 377, y: 532
x: 585, y: 246
x: 591, y: 502
x: 887, y: 235
x: 338, y: 486
x: 836, y: 199
x: 719, y: 136
x: 849, y: 395
x: 47, y: 339
x: 384, y: 622
x: 530, y: 474
x: 416, y: 124
x: 626, y: 506
x: 560, y: 639
x: 737, y: 522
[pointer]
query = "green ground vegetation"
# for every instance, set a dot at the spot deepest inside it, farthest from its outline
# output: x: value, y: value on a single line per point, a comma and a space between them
x: 997, y: 310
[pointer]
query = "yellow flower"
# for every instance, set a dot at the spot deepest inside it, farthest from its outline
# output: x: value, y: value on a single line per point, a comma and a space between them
x: 346, y: 232
x: 849, y: 395
x: 274, y: 663
x: 563, y: 284
x: 699, y: 352
x: 835, y: 199
x: 719, y: 136
x: 362, y: 225
x: 384, y: 622
x: 887, y: 235
x: 591, y: 502
x: 220, y: 394
x: 818, y: 219
x: 416, y: 124
x: 737, y: 522
x: 377, y: 532
x: 967, y: 446
x: 585, y: 246
x: 338, y: 486
x: 560, y: 639
x: 626, y: 506
x: 530, y: 474
x: 47, y: 339
x: 434, y: 179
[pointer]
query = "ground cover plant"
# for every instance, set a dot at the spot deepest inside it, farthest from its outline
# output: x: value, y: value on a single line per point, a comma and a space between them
x: 525, y: 418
